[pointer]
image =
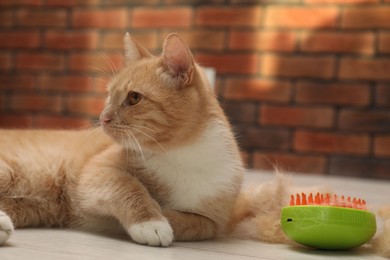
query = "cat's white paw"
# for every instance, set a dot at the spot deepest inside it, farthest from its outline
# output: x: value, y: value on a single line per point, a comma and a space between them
x: 6, y: 227
x: 152, y: 233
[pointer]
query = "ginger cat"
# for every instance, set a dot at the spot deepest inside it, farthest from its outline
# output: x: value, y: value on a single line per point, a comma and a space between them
x: 164, y: 166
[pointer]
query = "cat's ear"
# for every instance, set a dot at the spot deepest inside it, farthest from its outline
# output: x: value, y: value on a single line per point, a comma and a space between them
x: 133, y: 50
x: 178, y: 59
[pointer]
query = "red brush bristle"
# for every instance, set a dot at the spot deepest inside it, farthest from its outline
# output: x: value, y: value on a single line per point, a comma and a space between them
x: 298, y: 200
x: 304, y: 201
x: 327, y: 200
x: 311, y: 201
x: 292, y: 200
x: 317, y: 199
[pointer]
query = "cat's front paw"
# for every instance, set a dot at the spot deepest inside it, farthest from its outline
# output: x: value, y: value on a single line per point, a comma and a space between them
x: 6, y: 227
x: 152, y: 233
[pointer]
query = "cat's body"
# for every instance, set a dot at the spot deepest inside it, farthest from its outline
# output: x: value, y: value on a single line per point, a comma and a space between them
x: 164, y: 166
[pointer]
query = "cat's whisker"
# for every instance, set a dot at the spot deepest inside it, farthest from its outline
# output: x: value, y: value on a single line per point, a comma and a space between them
x: 154, y: 140
x: 145, y: 127
x: 110, y: 63
x: 104, y: 80
x: 113, y: 67
x: 94, y: 132
x: 102, y: 71
x: 131, y: 135
x: 126, y: 135
x: 130, y: 144
x: 137, y: 144
x: 133, y: 128
x: 127, y: 142
x: 92, y: 125
x: 93, y: 129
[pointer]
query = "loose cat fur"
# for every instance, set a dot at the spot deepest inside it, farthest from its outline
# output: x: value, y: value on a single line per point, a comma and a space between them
x: 165, y: 166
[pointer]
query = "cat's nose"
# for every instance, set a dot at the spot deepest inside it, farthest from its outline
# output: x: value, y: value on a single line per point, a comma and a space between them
x: 104, y: 119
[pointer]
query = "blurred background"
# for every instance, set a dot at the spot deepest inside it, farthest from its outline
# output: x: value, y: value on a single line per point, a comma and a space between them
x: 305, y: 83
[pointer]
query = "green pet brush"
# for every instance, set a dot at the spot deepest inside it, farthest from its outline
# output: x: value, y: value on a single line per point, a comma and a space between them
x: 328, y: 222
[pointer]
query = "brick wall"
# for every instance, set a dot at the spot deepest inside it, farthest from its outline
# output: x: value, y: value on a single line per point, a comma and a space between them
x: 306, y: 83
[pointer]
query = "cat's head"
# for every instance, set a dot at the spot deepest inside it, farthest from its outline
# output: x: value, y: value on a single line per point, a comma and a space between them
x: 157, y: 102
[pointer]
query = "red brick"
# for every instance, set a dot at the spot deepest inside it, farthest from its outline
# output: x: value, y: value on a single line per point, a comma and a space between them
x: 66, y: 83
x: 5, y: 61
x: 353, y: 2
x: 319, y: 117
x: 175, y: 17
x: 61, y: 122
x: 199, y: 39
x: 230, y: 63
x: 373, y: 69
x: 262, y: 40
x: 70, y: 40
x: 382, y: 146
x: 286, y: 2
x: 6, y: 18
x: 383, y: 95
x: 289, y: 162
x: 301, y: 17
x: 71, y: 3
x: 105, y: 64
x: 18, y: 82
x: 257, y: 89
x: 360, y: 167
x: 297, y: 66
x: 39, y: 61
x: 15, y: 121
x: 263, y: 138
x: 105, y: 19
x: 333, y: 93
x: 114, y: 40
x: 337, y: 42
x: 133, y: 2
x: 88, y: 105
x: 41, y: 18
x: 331, y: 143
x: 192, y: 2
x: 17, y: 39
x: 21, y: 2
x: 366, y: 121
x: 229, y: 16
x: 365, y: 17
x: 384, y: 42
x: 35, y: 102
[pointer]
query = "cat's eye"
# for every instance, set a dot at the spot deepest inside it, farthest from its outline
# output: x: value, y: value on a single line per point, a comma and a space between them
x: 133, y: 98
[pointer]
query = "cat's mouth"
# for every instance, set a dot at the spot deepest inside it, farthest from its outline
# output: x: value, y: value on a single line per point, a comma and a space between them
x: 124, y: 135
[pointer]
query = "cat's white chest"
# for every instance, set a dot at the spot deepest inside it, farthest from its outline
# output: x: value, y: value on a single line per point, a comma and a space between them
x: 199, y: 171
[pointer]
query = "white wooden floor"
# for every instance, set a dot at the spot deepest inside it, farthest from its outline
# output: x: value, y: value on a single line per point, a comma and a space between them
x: 44, y: 244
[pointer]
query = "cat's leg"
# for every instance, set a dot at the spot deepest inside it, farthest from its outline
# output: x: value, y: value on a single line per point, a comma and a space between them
x: 190, y: 227
x: 123, y: 197
x: 6, y: 227
x: 13, y: 203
